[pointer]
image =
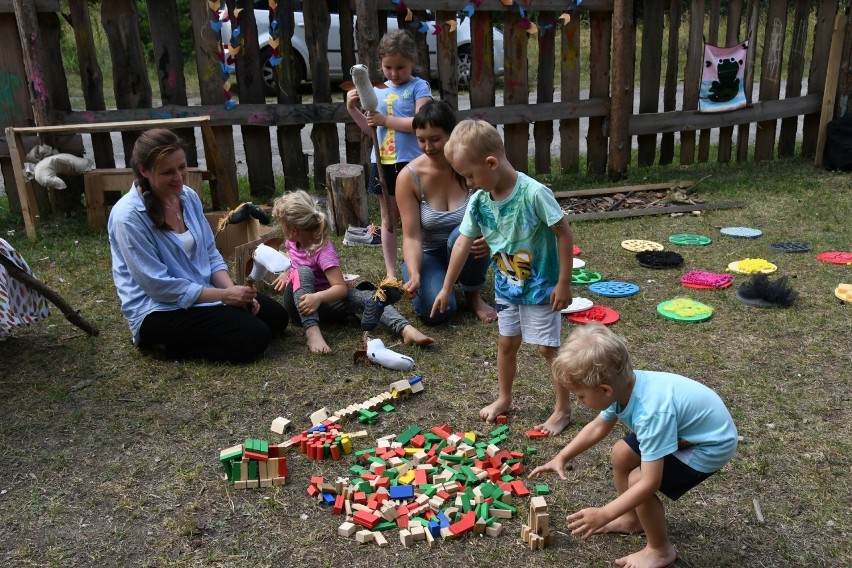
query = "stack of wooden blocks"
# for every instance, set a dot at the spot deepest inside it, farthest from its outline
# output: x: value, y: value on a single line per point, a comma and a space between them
x: 254, y: 464
x: 537, y: 533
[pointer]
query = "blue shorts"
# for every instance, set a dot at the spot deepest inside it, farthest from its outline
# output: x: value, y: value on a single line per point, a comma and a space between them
x: 391, y: 171
x: 678, y: 478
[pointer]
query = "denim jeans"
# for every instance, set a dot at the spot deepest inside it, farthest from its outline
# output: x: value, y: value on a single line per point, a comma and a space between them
x: 433, y: 270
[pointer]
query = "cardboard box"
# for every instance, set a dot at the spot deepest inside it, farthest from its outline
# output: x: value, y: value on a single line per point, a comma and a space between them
x: 233, y: 235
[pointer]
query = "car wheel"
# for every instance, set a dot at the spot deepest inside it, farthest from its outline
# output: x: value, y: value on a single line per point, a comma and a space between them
x: 465, y: 61
x: 270, y: 77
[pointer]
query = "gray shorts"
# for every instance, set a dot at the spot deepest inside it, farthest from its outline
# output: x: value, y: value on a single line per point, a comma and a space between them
x: 536, y: 324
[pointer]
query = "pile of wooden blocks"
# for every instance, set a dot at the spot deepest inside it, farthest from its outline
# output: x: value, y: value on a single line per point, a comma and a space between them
x: 398, y: 389
x: 427, y: 485
x: 537, y: 533
x: 254, y: 463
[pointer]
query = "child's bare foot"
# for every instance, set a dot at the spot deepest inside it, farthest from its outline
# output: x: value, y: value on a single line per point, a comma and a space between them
x: 482, y: 310
x: 413, y: 336
x: 628, y: 523
x: 316, y: 342
x: 492, y: 411
x: 649, y: 558
x: 554, y: 425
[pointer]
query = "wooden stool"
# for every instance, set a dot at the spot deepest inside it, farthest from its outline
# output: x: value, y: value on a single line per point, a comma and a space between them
x: 104, y: 187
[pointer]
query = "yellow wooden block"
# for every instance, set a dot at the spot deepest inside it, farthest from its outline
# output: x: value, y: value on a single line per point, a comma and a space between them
x: 406, y: 478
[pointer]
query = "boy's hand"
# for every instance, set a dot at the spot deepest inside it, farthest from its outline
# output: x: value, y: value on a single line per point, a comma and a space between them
x: 560, y: 298
x: 309, y: 304
x: 585, y: 522
x: 442, y: 303
x: 480, y: 248
x: 557, y: 464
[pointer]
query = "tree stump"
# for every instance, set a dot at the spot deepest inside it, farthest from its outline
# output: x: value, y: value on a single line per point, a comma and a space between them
x: 347, y: 197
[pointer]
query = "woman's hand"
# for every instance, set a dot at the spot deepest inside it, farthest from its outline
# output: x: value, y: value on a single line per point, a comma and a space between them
x: 480, y: 248
x: 375, y: 118
x: 309, y: 304
x: 239, y: 296
x: 412, y: 286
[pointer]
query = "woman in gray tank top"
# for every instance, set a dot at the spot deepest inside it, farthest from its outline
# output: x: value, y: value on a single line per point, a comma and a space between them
x: 432, y: 200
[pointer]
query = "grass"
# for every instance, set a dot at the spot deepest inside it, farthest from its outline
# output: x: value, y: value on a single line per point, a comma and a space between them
x: 124, y: 471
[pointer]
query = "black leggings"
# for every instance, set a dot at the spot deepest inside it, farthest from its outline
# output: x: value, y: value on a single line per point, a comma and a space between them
x: 217, y: 333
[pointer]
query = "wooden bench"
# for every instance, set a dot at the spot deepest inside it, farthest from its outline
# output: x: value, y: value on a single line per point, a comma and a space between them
x: 104, y: 187
x: 221, y: 192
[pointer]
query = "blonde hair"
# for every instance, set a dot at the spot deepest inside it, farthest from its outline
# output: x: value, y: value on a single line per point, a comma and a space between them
x: 298, y: 210
x: 476, y: 139
x: 591, y: 356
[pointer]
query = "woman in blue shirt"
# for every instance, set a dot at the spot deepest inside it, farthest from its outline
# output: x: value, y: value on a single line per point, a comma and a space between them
x: 173, y: 284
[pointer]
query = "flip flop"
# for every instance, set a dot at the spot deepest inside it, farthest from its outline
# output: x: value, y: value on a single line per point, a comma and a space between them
x: 584, y: 276
x: 578, y: 305
x: 835, y: 257
x: 752, y: 266
x: 741, y: 232
x: 600, y: 314
x: 638, y: 245
x: 790, y: 246
x: 614, y: 289
x: 684, y: 309
x: 686, y: 239
x: 659, y: 259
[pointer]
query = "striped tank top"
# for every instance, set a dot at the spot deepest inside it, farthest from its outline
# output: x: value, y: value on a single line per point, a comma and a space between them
x: 436, y: 226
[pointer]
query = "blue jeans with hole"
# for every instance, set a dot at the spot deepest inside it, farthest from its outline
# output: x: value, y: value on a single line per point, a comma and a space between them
x: 433, y: 270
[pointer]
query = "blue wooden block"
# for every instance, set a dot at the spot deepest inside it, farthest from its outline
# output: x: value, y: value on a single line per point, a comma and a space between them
x: 401, y: 492
x: 328, y: 498
x: 443, y: 521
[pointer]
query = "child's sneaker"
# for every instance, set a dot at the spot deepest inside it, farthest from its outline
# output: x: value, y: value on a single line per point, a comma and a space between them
x: 365, y: 239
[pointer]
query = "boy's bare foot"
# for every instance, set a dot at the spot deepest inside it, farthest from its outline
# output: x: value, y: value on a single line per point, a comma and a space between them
x: 492, y: 411
x: 413, y: 336
x: 316, y: 342
x: 628, y: 523
x: 554, y: 425
x: 482, y: 310
x: 649, y: 558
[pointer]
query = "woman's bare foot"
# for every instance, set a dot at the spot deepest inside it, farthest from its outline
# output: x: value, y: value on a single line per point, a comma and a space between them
x: 482, y: 310
x: 492, y: 411
x: 628, y: 523
x: 649, y: 558
x: 316, y: 342
x: 413, y: 336
x: 554, y: 425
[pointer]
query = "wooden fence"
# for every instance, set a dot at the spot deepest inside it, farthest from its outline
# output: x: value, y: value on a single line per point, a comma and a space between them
x: 34, y: 89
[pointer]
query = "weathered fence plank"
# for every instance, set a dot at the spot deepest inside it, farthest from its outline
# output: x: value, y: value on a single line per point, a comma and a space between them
x: 516, y: 136
x: 712, y: 37
x: 770, y: 74
x: 323, y: 136
x: 753, y: 11
x: 732, y: 37
x: 569, y: 128
x: 448, y: 70
x: 795, y: 70
x: 670, y: 90
x: 649, y: 74
x: 543, y: 129
x: 600, y: 27
x: 819, y: 63
x: 692, y: 77
x: 622, y: 89
x: 482, y: 79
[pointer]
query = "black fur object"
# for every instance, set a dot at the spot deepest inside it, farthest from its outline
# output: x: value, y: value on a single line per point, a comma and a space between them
x: 659, y: 259
x: 761, y: 292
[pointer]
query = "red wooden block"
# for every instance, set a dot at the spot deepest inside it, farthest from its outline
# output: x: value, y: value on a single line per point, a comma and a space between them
x: 468, y: 520
x: 372, y: 503
x: 402, y: 510
x: 383, y: 482
x: 380, y: 498
x: 502, y: 419
x: 517, y: 468
x: 316, y: 480
x: 519, y: 489
x: 441, y: 432
x: 338, y: 505
x: 255, y: 456
x: 282, y: 467
x: 369, y: 476
x: 493, y: 474
x: 400, y: 452
x: 420, y: 477
x: 443, y: 494
x: 418, y: 441
x: 380, y: 469
x: 335, y: 452
x: 313, y: 491
x: 536, y: 434
x: 402, y: 521
x: 360, y: 497
x: 366, y: 519
x: 517, y: 455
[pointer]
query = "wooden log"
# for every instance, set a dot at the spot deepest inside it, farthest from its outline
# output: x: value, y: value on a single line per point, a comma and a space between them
x: 323, y: 136
x: 732, y: 37
x: 624, y: 43
x: 347, y: 197
x: 770, y: 75
x: 543, y: 129
x: 818, y: 71
x: 692, y: 77
x: 569, y: 128
x: 91, y: 77
x: 132, y: 89
x: 795, y: 70
x: 256, y: 140
x: 448, y: 69
x: 713, y: 39
x: 649, y: 74
x: 482, y: 77
x: 670, y: 90
x: 830, y: 89
x: 748, y: 79
x: 599, y: 57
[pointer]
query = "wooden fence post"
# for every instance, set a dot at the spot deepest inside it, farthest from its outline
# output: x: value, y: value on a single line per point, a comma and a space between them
x: 622, y: 89
x: 347, y: 197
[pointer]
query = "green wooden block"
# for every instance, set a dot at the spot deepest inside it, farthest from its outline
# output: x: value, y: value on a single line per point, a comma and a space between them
x: 385, y: 526
x: 499, y: 430
x: 497, y: 504
x: 542, y: 489
x: 252, y: 470
x: 420, y: 520
x: 531, y: 451
x: 388, y: 408
x: 409, y: 433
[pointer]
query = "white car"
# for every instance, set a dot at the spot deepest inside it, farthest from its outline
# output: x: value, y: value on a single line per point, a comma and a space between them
x: 336, y: 71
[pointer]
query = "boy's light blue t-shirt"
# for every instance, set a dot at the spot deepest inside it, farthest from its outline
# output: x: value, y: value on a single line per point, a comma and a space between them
x: 399, y: 101
x: 524, y: 253
x: 671, y: 414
